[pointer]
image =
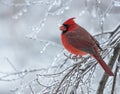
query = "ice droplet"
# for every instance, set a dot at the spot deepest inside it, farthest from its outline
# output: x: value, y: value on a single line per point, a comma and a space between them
x: 20, y: 13
x: 57, y: 2
x: 107, y: 14
x: 17, y: 92
x: 62, y: 11
x: 67, y: 7
x: 99, y: 1
x: 25, y: 10
x: 44, y: 48
x: 28, y: 2
x: 94, y: 13
x: 81, y: 13
x: 58, y: 8
x: 41, y: 51
x: 116, y: 3
x: 35, y: 28
x: 42, y: 24
x: 103, y: 18
x: 57, y: 56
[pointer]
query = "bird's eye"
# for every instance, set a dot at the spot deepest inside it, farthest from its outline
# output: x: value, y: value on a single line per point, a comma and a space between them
x: 66, y: 25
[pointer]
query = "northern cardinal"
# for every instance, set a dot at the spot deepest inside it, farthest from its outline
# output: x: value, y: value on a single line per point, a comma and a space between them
x: 79, y: 42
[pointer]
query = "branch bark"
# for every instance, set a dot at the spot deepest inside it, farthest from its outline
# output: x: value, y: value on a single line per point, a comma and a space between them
x: 111, y: 64
x: 114, y: 81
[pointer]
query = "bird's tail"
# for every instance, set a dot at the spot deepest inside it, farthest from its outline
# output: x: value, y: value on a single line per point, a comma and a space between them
x: 104, y: 65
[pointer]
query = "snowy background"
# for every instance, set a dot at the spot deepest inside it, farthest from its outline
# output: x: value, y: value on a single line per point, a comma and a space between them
x: 29, y: 27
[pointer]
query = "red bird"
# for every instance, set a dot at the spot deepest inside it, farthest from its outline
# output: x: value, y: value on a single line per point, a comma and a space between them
x: 79, y: 42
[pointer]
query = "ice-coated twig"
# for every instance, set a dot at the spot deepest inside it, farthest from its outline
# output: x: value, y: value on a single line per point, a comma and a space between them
x: 114, y: 81
x: 20, y: 74
x: 11, y: 64
x: 45, y: 41
x: 31, y: 89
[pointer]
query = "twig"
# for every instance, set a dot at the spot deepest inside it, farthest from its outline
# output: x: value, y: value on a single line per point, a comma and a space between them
x: 31, y: 89
x: 116, y: 29
x: 103, y: 33
x: 22, y: 72
x: 11, y: 64
x: 67, y: 75
x: 64, y: 79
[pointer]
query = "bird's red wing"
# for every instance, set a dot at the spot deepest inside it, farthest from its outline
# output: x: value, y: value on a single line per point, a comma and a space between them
x: 81, y: 41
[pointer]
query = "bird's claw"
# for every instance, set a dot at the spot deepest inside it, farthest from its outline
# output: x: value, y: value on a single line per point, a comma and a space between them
x: 75, y: 57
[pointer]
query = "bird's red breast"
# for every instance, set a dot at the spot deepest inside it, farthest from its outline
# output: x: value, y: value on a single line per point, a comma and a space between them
x: 70, y: 48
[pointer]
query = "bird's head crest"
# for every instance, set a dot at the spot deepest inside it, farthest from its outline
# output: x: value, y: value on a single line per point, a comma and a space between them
x: 70, y: 21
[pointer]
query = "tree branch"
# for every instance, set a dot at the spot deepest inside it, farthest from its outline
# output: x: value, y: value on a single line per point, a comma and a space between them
x: 114, y: 81
x: 111, y: 64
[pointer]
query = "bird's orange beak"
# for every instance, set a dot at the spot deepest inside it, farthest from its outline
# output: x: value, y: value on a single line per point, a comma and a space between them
x: 62, y: 28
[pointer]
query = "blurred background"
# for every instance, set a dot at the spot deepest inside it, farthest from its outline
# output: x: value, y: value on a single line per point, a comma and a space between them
x: 30, y: 35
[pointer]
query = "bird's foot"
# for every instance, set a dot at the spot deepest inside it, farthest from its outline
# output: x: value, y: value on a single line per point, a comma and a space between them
x: 75, y: 57
x: 82, y: 58
x: 68, y: 56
